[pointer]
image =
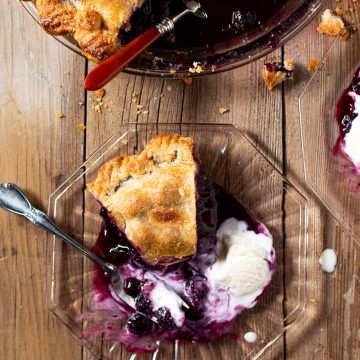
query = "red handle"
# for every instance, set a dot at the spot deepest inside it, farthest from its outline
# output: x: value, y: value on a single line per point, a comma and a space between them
x: 108, y: 69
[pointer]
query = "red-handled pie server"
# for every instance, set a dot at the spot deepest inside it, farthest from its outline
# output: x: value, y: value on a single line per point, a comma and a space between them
x: 108, y: 69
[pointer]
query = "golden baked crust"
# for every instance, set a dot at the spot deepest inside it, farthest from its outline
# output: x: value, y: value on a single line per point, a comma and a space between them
x: 152, y: 198
x: 94, y: 24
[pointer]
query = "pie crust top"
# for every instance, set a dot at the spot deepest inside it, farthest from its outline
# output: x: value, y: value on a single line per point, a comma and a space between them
x: 94, y: 24
x: 152, y: 198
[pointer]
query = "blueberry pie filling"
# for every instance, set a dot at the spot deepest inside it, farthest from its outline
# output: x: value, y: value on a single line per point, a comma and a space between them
x: 347, y: 115
x: 192, y: 297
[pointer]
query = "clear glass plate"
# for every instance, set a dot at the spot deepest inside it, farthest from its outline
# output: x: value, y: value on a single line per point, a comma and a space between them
x: 292, y: 18
x: 231, y: 160
x: 329, y: 175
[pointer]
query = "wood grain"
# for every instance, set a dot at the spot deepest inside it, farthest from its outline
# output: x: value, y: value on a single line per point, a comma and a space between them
x: 38, y: 151
x: 32, y: 147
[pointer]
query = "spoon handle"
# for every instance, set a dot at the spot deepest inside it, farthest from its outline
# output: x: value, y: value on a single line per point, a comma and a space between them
x: 13, y: 200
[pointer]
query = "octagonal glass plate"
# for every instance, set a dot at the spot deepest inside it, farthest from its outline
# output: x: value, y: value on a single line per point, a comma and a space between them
x: 327, y: 173
x: 231, y: 160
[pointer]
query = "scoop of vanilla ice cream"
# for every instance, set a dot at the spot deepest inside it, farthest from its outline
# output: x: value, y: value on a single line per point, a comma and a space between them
x: 243, y: 261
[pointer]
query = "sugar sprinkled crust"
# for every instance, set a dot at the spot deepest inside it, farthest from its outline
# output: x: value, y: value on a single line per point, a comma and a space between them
x: 94, y: 24
x: 152, y: 198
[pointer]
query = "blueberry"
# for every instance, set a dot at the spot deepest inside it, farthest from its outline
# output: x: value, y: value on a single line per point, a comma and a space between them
x: 143, y: 304
x: 165, y: 320
x: 139, y: 324
x: 193, y: 313
x: 132, y: 286
x: 187, y: 270
x: 346, y: 123
x: 119, y: 254
x: 208, y: 218
x: 356, y: 88
x: 196, y: 287
x: 240, y: 20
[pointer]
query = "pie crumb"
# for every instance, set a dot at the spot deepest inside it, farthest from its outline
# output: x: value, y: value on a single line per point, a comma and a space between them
x: 60, y: 115
x: 223, y: 110
x: 169, y: 88
x: 187, y: 81
x: 197, y: 68
x: 124, y: 141
x: 275, y: 73
x: 172, y: 71
x: 100, y: 93
x: 313, y: 65
x: 81, y: 126
x: 331, y: 24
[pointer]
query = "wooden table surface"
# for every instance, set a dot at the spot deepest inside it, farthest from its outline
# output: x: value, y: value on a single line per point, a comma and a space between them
x: 39, y: 78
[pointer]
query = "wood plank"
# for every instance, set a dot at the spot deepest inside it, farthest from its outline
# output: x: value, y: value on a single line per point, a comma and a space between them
x: 37, y: 151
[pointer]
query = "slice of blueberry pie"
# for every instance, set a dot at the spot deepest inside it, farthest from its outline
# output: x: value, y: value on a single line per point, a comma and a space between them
x: 189, y: 254
x: 152, y: 198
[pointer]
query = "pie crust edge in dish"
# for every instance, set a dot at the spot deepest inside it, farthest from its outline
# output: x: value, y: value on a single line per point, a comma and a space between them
x: 152, y: 198
x: 95, y: 25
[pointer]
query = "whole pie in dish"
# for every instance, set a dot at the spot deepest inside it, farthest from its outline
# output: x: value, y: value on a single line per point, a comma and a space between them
x: 189, y: 254
x: 94, y: 24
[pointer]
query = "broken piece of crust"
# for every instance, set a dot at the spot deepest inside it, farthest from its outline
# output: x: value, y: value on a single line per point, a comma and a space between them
x: 331, y: 24
x: 275, y: 73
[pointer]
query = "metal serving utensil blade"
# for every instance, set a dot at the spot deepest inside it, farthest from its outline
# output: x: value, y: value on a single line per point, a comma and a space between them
x: 196, y: 8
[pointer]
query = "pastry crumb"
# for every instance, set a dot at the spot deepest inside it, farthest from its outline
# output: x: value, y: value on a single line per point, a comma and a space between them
x: 331, y: 24
x: 66, y: 72
x: 289, y: 65
x: 81, y: 103
x: 97, y: 108
x: 169, y: 88
x: 145, y: 112
x: 187, y: 81
x: 100, y: 93
x: 172, y: 71
x: 60, y: 115
x: 312, y: 65
x: 275, y: 73
x: 124, y: 141
x: 139, y: 106
x: 81, y: 126
x: 197, y: 68
x: 223, y: 110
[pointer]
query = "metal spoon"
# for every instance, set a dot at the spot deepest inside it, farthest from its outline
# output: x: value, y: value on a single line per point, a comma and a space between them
x: 13, y: 200
x: 108, y: 69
